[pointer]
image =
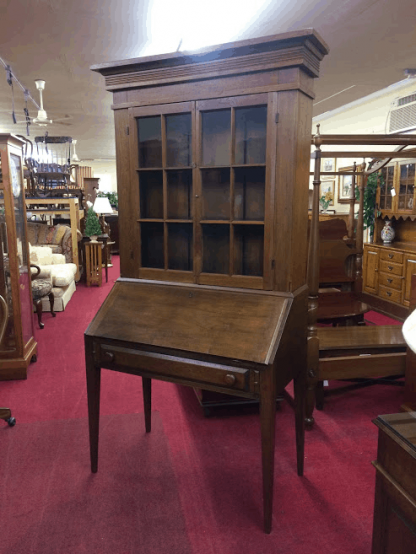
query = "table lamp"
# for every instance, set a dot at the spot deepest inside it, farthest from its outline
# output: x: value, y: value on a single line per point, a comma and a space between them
x: 101, y: 207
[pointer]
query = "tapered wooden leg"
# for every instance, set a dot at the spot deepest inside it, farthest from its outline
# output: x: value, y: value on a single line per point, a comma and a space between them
x: 51, y: 302
x: 319, y: 395
x: 147, y: 400
x: 93, y: 393
x: 267, y: 422
x: 311, y: 380
x: 299, y: 383
x: 38, y: 306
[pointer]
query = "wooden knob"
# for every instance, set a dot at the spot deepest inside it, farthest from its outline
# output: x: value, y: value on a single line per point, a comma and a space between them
x: 390, y: 268
x: 391, y: 256
x: 109, y: 356
x: 389, y: 280
x: 388, y: 293
x: 229, y: 379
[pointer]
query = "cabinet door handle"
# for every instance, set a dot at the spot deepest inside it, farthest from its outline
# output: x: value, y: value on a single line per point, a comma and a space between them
x: 388, y: 293
x: 389, y: 280
x: 109, y: 356
x: 389, y: 268
x: 391, y: 256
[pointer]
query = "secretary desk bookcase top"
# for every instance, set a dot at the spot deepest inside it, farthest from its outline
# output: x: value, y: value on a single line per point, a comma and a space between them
x: 212, y: 153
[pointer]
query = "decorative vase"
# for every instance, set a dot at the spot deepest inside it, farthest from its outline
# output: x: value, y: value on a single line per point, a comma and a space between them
x: 387, y: 233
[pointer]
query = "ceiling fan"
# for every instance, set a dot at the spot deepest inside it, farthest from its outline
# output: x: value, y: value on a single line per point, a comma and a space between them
x: 42, y: 119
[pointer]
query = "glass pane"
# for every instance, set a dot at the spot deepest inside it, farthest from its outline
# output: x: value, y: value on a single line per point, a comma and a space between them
x: 215, y: 248
x: 8, y: 343
x: 215, y: 194
x: 152, y: 245
x: 179, y: 194
x: 179, y: 140
x: 249, y: 184
x: 149, y: 133
x: 403, y: 172
x: 180, y: 246
x: 382, y: 202
x: 24, y: 269
x: 411, y: 171
x: 402, y: 189
x: 388, y: 203
x: 216, y: 137
x: 248, y: 250
x: 250, y: 135
x: 390, y: 171
x: 151, y: 194
x: 402, y: 202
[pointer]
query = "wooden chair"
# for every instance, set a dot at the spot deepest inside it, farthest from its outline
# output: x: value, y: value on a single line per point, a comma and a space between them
x: 345, y: 352
x: 40, y: 289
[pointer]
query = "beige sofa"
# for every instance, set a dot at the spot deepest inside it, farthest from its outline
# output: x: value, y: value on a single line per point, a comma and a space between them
x: 57, y: 237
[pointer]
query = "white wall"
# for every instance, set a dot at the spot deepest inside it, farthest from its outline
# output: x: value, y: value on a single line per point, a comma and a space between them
x: 366, y: 116
x: 107, y: 173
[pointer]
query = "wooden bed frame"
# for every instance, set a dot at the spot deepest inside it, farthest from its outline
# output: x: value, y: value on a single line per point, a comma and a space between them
x: 349, y: 352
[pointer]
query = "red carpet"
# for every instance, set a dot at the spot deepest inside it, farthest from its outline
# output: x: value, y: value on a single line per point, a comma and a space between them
x: 194, y: 485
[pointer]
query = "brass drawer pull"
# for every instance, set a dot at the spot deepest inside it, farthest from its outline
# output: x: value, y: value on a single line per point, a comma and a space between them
x: 229, y: 379
x: 391, y: 256
x: 388, y: 293
x: 389, y: 280
x: 389, y: 268
x: 109, y: 356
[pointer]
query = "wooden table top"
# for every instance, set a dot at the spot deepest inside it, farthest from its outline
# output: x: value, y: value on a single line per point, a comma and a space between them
x: 238, y: 324
x: 359, y: 336
x: 403, y: 427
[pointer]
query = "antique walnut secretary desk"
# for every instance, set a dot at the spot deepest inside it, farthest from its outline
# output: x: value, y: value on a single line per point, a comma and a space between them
x: 212, y: 167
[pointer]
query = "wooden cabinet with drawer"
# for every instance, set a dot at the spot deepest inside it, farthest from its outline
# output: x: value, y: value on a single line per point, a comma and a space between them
x: 387, y: 271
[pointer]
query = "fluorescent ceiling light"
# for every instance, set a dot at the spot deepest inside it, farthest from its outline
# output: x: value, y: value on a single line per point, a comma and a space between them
x: 193, y: 24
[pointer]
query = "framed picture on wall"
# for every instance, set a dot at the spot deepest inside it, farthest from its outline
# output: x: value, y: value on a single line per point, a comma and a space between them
x: 344, y: 186
x: 328, y: 190
x: 328, y: 164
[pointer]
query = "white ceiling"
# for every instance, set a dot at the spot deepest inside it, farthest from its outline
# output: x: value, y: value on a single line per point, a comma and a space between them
x: 371, y: 43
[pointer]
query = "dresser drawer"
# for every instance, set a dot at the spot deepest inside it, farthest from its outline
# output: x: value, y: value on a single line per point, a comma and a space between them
x: 391, y: 256
x: 182, y: 369
x: 391, y: 267
x: 390, y: 294
x: 391, y: 281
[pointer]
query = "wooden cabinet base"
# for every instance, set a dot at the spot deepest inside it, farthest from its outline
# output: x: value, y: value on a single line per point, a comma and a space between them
x: 16, y: 368
x: 388, y: 308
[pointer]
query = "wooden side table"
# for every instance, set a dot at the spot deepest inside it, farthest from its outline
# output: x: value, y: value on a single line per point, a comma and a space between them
x: 394, y: 529
x: 93, y: 263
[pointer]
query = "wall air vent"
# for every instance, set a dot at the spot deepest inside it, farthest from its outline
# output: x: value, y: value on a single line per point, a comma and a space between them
x: 403, y: 114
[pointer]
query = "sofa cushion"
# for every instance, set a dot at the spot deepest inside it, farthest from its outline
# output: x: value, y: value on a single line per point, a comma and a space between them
x: 40, y: 255
x: 55, y: 234
x: 43, y: 231
x: 58, y: 259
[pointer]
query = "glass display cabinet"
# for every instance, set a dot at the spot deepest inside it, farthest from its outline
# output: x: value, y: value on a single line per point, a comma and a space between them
x: 18, y: 347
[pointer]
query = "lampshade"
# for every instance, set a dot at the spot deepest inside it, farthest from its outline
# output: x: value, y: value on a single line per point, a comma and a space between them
x: 102, y: 205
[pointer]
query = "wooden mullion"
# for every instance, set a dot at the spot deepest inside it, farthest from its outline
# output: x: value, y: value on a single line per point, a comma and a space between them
x: 197, y: 192
x: 231, y: 191
x: 164, y: 192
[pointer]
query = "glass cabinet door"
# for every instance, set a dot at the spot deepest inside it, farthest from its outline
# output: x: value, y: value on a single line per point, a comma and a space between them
x: 14, y: 265
x: 164, y: 175
x: 232, y: 185
x: 201, y: 184
x: 406, y: 187
x: 386, y: 181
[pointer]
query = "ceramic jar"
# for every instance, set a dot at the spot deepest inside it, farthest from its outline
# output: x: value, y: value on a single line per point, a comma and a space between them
x: 387, y: 233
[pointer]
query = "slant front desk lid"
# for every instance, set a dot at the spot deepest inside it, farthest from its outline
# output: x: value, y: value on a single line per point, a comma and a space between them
x: 223, y: 322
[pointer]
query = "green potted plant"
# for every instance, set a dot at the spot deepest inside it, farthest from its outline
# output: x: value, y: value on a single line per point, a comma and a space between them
x: 369, y: 204
x: 112, y: 197
x: 92, y: 225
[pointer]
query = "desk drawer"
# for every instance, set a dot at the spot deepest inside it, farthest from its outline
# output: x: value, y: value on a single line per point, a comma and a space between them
x: 173, y: 368
x: 391, y: 267
x: 390, y: 280
x: 390, y: 294
x: 391, y: 256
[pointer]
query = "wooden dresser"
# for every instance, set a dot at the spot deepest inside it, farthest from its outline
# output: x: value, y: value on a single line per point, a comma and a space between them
x: 394, y: 529
x: 387, y: 268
